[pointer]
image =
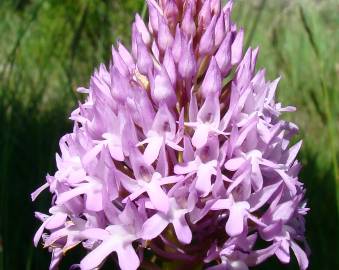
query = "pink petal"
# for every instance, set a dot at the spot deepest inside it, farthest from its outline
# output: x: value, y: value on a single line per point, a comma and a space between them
x: 187, y: 26
x: 176, y: 49
x: 141, y: 170
x: 144, y: 59
x: 257, y: 179
x: 283, y: 252
x: 165, y: 38
x: 258, y: 256
x: 246, y: 130
x: 218, y: 186
x: 127, y: 257
x: 289, y: 181
x: 164, y: 122
x: 271, y: 231
x: 292, y: 153
x: 157, y: 196
x: 234, y: 163
x: 207, y: 39
x: 163, y: 90
x: 170, y: 66
x: 182, y: 230
x: 174, y: 146
x: 91, y: 154
x: 57, y: 255
x: 187, y: 64
x: 285, y: 210
x: 98, y: 255
x: 95, y: 234
x: 162, y: 164
x: 203, y: 183
x: 240, y: 178
x: 128, y: 183
x: 68, y: 195
x: 223, y: 55
x: 171, y: 180
x: 116, y: 151
x: 237, y: 47
x: 152, y: 150
x: 135, y: 194
x: 142, y: 29
x: 211, y: 85
x: 272, y: 89
x: 193, y: 109
x: 55, y: 236
x: 188, y: 153
x: 38, y: 234
x: 56, y: 221
x: 222, y: 204
x: 119, y: 62
x: 185, y: 168
x: 94, y: 200
x: 154, y: 226
x: 200, y: 136
x: 36, y: 193
x: 210, y: 111
x: 300, y: 255
x: 259, y: 198
x: 235, y: 222
x: 219, y: 30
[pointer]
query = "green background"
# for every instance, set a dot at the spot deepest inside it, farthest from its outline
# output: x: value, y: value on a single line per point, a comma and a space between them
x: 49, y: 48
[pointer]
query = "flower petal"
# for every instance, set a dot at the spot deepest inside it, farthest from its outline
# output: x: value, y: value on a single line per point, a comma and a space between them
x: 36, y: 193
x: 234, y: 163
x: 157, y: 196
x: 182, y: 230
x: 300, y: 255
x: 235, y: 222
x: 153, y: 148
x: 200, y: 136
x: 154, y: 226
x: 128, y: 259
x: 203, y: 184
x: 93, y: 259
x: 283, y: 251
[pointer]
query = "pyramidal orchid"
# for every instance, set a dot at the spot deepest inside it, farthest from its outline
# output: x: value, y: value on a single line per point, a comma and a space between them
x: 178, y: 154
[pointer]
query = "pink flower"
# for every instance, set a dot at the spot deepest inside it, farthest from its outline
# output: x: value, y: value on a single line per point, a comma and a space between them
x: 179, y: 144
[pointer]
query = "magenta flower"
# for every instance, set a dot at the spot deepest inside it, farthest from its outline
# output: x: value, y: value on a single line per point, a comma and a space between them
x: 179, y: 150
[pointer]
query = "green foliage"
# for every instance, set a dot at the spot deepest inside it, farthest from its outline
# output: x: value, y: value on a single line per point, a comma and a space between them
x: 48, y: 48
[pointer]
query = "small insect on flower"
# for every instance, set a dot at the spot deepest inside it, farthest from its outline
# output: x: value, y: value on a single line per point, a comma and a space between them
x: 179, y: 149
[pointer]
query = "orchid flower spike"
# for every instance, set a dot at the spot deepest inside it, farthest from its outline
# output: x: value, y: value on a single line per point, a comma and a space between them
x: 179, y: 150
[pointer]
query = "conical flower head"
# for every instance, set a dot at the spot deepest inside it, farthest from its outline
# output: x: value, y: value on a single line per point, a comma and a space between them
x: 178, y: 149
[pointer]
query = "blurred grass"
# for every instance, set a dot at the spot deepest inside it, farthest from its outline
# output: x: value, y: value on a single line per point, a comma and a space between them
x: 50, y: 47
